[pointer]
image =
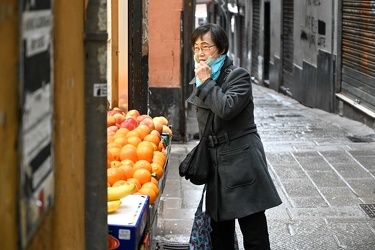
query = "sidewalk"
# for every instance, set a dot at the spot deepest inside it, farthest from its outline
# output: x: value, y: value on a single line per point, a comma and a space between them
x: 323, y: 166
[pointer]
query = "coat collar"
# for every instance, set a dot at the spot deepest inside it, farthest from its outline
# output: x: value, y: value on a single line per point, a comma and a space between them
x: 226, y: 64
x: 193, y: 99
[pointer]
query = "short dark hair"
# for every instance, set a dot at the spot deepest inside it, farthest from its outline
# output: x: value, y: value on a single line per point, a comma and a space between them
x: 218, y: 35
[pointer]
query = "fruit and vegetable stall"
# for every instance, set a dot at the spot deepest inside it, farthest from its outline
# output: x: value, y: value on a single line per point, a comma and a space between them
x: 138, y: 147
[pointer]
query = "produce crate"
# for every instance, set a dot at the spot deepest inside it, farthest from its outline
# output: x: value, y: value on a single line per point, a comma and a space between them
x: 128, y: 224
x: 154, y: 208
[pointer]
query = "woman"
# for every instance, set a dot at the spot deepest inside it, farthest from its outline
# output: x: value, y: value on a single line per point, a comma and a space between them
x: 240, y: 186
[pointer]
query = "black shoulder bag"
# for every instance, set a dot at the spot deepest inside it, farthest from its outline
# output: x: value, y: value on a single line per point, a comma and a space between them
x: 197, y: 163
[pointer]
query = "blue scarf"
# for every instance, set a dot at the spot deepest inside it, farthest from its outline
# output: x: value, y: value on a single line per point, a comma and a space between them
x: 215, y: 69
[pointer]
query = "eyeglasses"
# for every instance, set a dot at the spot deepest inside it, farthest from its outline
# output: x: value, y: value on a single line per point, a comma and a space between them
x: 204, y: 48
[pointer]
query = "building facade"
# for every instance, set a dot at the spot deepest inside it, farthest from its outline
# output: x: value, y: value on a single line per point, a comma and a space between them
x: 319, y: 52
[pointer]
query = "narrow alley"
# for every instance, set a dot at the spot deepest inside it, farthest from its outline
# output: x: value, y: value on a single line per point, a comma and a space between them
x: 324, y: 169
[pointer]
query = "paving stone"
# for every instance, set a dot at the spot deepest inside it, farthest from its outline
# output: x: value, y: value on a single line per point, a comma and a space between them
x: 311, y: 201
x: 363, y: 187
x: 339, y: 196
x: 299, y: 187
x: 326, y: 178
x: 366, y: 161
x: 351, y: 235
x: 289, y: 171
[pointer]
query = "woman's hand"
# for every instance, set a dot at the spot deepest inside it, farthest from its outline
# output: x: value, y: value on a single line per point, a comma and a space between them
x: 203, y: 71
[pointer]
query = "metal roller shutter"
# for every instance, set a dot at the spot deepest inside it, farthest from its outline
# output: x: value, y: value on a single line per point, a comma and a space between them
x: 255, y: 39
x: 358, y: 52
x: 288, y: 45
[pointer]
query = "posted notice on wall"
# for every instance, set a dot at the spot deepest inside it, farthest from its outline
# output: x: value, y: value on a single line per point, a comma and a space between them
x: 36, y: 106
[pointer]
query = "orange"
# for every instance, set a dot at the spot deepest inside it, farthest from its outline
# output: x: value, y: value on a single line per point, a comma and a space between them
x: 122, y: 131
x: 143, y: 130
x: 115, y: 136
x: 114, y: 145
x: 127, y: 171
x: 150, y: 192
x: 155, y: 132
x: 156, y: 168
x: 145, y: 143
x: 115, y: 164
x: 115, y: 152
x: 108, y: 185
x: 142, y: 175
x: 155, y: 181
x: 151, y: 185
x: 129, y: 145
x: 109, y: 139
x: 128, y: 153
x: 145, y: 153
x: 155, y: 147
x: 160, y: 154
x: 158, y: 160
x: 134, y: 140
x: 121, y: 140
x: 160, y: 146
x: 152, y: 138
x: 108, y: 164
x: 109, y: 156
x: 113, y: 175
x: 119, y: 183
x: 133, y: 133
x: 127, y: 162
x: 136, y: 183
x: 142, y: 164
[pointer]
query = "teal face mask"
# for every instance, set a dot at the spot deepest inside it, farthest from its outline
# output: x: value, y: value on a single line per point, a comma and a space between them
x: 210, y: 60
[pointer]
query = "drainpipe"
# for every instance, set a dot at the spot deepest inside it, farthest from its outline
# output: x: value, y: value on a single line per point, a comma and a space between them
x: 95, y: 43
x: 138, y: 88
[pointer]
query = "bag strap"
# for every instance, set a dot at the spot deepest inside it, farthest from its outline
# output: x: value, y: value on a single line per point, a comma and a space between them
x: 200, y: 206
x: 207, y: 127
x: 223, y: 75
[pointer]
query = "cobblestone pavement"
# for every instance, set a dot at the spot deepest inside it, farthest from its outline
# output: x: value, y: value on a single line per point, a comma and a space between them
x: 323, y: 166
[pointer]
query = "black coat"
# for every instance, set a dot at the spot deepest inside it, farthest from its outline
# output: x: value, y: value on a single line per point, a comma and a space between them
x: 240, y: 183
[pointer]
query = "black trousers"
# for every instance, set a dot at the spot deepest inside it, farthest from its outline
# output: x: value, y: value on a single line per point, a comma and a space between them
x: 254, y: 231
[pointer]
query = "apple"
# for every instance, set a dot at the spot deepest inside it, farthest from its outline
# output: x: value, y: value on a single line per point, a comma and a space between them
x: 158, y: 126
x: 161, y: 119
x: 149, y: 122
x: 111, y: 133
x: 112, y: 128
x: 128, y: 125
x: 133, y: 113
x: 132, y: 120
x: 111, y: 120
x: 120, y: 118
x: 114, y: 111
x: 142, y: 117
